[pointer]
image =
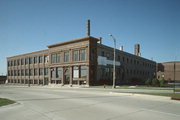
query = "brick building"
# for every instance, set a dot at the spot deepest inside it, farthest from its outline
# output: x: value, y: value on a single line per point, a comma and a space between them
x: 83, y: 61
x: 169, y: 71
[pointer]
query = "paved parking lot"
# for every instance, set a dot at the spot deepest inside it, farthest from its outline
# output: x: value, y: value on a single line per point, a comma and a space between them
x: 41, y: 103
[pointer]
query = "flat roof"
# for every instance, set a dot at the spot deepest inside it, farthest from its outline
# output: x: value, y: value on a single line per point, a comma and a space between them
x: 72, y: 41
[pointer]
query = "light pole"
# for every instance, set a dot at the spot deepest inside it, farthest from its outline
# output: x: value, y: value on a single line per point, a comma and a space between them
x: 114, y: 64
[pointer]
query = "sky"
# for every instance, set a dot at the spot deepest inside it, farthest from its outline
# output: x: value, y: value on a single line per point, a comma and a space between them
x: 31, y: 25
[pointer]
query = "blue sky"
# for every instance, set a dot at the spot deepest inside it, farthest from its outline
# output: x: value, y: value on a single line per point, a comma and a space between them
x: 31, y: 25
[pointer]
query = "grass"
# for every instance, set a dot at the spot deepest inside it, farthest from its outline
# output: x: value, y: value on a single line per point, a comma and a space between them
x: 4, y: 101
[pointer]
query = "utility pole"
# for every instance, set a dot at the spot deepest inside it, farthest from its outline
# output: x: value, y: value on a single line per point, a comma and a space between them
x: 114, y: 64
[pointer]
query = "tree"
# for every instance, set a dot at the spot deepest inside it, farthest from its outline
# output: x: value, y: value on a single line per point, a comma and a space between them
x: 148, y: 82
x: 161, y: 82
x: 155, y: 82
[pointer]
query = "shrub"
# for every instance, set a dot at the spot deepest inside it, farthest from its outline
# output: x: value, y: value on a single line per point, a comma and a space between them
x: 155, y: 82
x: 148, y: 82
x: 161, y: 82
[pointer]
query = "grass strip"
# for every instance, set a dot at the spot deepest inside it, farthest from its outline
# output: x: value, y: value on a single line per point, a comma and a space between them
x: 4, y: 101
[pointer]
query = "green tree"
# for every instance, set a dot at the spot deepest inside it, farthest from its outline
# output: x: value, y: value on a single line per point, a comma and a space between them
x: 161, y: 82
x: 155, y: 82
x: 148, y: 82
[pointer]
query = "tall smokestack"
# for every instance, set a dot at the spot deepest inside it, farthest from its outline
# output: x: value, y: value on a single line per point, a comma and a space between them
x: 137, y: 50
x: 88, y: 28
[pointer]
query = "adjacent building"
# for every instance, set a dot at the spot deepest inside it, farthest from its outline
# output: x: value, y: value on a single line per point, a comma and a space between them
x: 83, y: 61
x: 169, y: 71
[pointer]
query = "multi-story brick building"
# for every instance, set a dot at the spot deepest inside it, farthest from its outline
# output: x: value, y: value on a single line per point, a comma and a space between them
x: 170, y: 71
x: 83, y: 61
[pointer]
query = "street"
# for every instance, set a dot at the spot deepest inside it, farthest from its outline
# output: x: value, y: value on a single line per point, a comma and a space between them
x: 41, y: 103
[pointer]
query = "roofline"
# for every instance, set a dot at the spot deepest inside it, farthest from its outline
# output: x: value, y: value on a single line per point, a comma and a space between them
x: 72, y: 41
x: 27, y: 53
x: 170, y: 62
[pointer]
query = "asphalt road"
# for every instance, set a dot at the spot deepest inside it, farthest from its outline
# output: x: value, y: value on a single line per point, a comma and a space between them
x: 39, y: 103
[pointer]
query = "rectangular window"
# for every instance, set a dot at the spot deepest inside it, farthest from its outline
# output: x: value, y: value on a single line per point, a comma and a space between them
x: 75, y: 72
x: 27, y: 61
x: 45, y: 71
x: 35, y: 60
x: 46, y: 59
x: 75, y: 55
x: 31, y: 72
x: 53, y: 58
x: 14, y: 62
x: 18, y: 62
x: 9, y: 73
x: 53, y: 73
x: 58, y: 58
x: 18, y: 72
x: 82, y: 54
x: 14, y: 72
x: 66, y: 57
x: 40, y: 59
x: 22, y: 72
x: 30, y: 60
x: 35, y: 71
x: 59, y: 71
x: 40, y: 71
x: 26, y: 72
x: 22, y: 61
x: 83, y: 73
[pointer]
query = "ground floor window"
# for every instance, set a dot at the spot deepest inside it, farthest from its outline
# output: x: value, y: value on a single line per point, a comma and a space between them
x: 82, y: 82
x: 26, y: 81
x: 22, y: 81
x: 53, y: 81
x: 40, y: 81
x: 83, y: 72
x: 75, y: 72
x: 75, y: 82
x: 35, y: 81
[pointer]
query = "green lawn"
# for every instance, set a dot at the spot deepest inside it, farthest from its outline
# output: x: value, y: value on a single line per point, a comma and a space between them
x: 4, y: 101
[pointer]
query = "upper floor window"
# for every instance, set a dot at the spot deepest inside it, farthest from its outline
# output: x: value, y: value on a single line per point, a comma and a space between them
x: 11, y: 63
x: 30, y: 60
x: 35, y: 71
x: 18, y: 62
x: 82, y: 54
x: 31, y: 72
x: 66, y: 57
x: 40, y: 59
x: 14, y: 62
x: 46, y: 59
x: 27, y: 61
x: 45, y: 71
x: 35, y: 60
x: 55, y: 58
x: 75, y: 55
x: 40, y: 71
x: 22, y: 61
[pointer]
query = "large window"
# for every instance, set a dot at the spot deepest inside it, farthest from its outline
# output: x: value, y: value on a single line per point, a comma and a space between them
x: 55, y: 58
x: 40, y: 71
x: 30, y: 60
x: 31, y: 72
x: 45, y: 71
x: 59, y: 71
x: 66, y: 57
x: 26, y: 72
x: 27, y: 61
x: 14, y: 62
x: 75, y: 72
x: 22, y: 61
x: 35, y: 71
x: 35, y: 60
x: 22, y: 72
x: 83, y: 72
x: 46, y: 59
x: 82, y: 54
x: 18, y: 62
x: 75, y: 55
x: 40, y: 59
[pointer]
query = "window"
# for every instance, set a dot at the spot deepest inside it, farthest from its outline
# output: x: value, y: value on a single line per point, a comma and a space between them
x: 18, y: 62
x: 22, y: 72
x: 35, y: 60
x: 40, y: 59
x: 27, y: 61
x: 55, y: 58
x: 59, y: 71
x: 83, y: 71
x: 22, y: 61
x: 9, y: 73
x: 30, y: 60
x: 18, y: 72
x: 75, y: 55
x: 35, y: 71
x: 11, y: 63
x: 14, y: 62
x: 66, y: 57
x: 40, y: 71
x: 26, y: 72
x: 46, y: 59
x: 75, y: 72
x: 82, y: 54
x: 53, y: 73
x: 45, y: 71
x: 31, y: 72
x: 14, y: 72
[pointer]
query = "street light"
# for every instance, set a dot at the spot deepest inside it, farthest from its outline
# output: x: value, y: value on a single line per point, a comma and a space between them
x: 114, y: 64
